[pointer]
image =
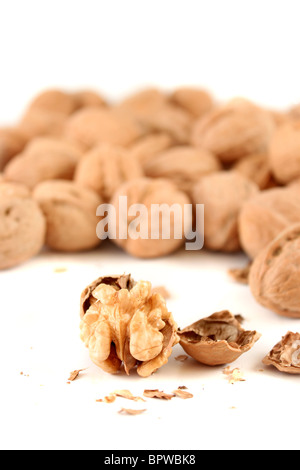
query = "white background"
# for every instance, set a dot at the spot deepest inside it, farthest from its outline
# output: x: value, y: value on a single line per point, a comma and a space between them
x: 248, y: 48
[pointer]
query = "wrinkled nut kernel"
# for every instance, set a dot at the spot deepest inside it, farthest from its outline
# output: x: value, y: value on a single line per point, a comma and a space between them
x: 122, y: 322
x: 43, y: 159
x: 183, y: 165
x: 233, y: 131
x: 12, y: 142
x: 285, y: 153
x: 146, y: 148
x: 194, y: 100
x: 275, y: 274
x: 217, y: 340
x: 39, y: 122
x: 148, y: 191
x: 22, y: 229
x: 265, y: 215
x: 223, y: 195
x: 54, y: 101
x: 256, y: 168
x: 285, y: 356
x: 70, y: 212
x: 105, y: 168
x: 92, y: 126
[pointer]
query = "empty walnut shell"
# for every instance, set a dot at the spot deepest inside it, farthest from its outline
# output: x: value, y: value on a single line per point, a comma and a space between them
x: 194, y: 100
x: 275, y: 274
x: 123, y: 322
x: 285, y: 152
x: 89, y: 98
x: 22, y: 229
x: 183, y: 165
x: 12, y: 142
x: 285, y: 356
x: 217, y: 340
x: 147, y: 191
x: 223, y: 195
x: 70, y: 212
x: 105, y: 168
x: 265, y: 215
x: 233, y: 131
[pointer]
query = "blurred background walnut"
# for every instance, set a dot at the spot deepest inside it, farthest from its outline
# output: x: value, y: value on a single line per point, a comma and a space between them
x: 195, y: 101
x: 285, y: 153
x: 150, y: 145
x: 256, y: 167
x: 12, y: 142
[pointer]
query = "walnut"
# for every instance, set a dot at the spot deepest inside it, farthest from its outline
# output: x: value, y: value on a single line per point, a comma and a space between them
x: 256, y: 167
x: 105, y: 168
x: 11, y: 190
x: 148, y: 191
x: 194, y: 100
x: 183, y: 165
x: 39, y: 122
x: 275, y: 274
x: 223, y: 195
x: 146, y: 148
x: 89, y: 98
x: 234, y: 131
x: 54, y: 101
x: 285, y: 355
x: 70, y: 211
x: 12, y: 142
x: 285, y: 153
x: 122, y: 322
x: 43, y: 159
x: 265, y: 215
x: 217, y: 340
x: 22, y: 228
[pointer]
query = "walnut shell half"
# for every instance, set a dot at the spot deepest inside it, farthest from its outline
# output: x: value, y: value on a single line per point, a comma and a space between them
x: 285, y: 356
x: 123, y: 322
x: 217, y: 340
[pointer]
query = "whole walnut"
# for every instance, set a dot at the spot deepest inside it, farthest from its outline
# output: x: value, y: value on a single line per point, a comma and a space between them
x: 43, y: 159
x: 194, y: 100
x: 105, y: 168
x: 22, y: 227
x: 123, y: 322
x: 146, y: 148
x: 257, y: 168
x: 54, y: 101
x: 285, y: 153
x: 12, y: 142
x: 223, y: 195
x: 147, y: 191
x: 234, y: 131
x: 275, y: 274
x: 70, y: 212
x: 265, y: 215
x: 8, y: 189
x: 40, y: 122
x: 89, y: 98
x: 184, y: 165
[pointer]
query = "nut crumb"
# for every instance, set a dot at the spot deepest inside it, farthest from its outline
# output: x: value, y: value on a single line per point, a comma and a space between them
x: 131, y: 412
x: 111, y: 398
x: 181, y: 358
x: 128, y: 395
x: 182, y: 394
x: 157, y: 394
x: 234, y: 375
x: 60, y: 270
x: 182, y: 387
x: 74, y: 375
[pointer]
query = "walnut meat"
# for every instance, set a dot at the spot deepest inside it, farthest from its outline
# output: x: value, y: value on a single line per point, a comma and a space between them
x: 12, y: 142
x: 123, y: 322
x: 285, y: 356
x: 285, y: 153
x: 223, y: 195
x: 194, y: 100
x: 275, y: 274
x: 217, y: 340
x: 265, y: 215
x: 148, y: 191
x: 233, y: 131
x: 183, y: 165
x: 105, y: 168
x: 70, y: 212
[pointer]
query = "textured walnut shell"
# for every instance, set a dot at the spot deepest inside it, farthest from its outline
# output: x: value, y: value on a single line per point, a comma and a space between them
x: 285, y: 355
x: 13, y: 190
x: 146, y: 148
x: 233, y: 131
x: 70, y: 212
x: 43, y: 159
x: 89, y: 98
x: 264, y: 216
x: 285, y: 153
x: 256, y: 168
x: 22, y: 229
x: 183, y: 165
x: 149, y: 191
x: 40, y: 122
x: 92, y: 126
x: 194, y: 100
x: 105, y: 168
x: 275, y: 274
x: 123, y: 322
x: 217, y: 340
x: 12, y: 142
x: 54, y: 101
x: 223, y: 195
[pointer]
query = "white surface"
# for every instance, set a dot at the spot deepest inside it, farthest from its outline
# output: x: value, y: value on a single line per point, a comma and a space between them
x: 39, y: 336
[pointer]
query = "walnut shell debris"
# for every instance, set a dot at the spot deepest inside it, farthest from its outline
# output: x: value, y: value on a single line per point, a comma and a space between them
x: 285, y: 355
x: 217, y: 340
x: 122, y: 322
x: 285, y: 152
x: 275, y: 274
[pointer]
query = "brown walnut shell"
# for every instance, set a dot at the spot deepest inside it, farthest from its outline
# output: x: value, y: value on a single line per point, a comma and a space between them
x: 257, y: 168
x: 146, y: 148
x: 70, y: 212
x: 285, y: 355
x: 123, y: 322
x: 275, y: 274
x: 54, y: 101
x: 12, y: 142
x: 40, y: 122
x: 217, y: 340
x: 194, y: 100
x: 89, y: 98
x: 285, y: 153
